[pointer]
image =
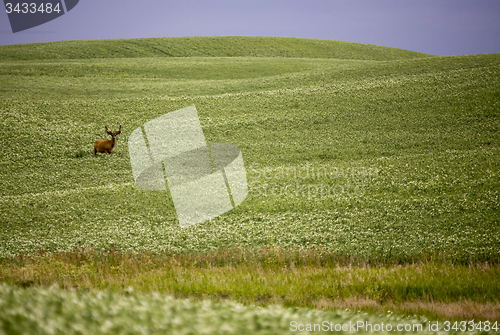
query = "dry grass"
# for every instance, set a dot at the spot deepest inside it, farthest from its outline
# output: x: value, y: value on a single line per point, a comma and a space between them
x: 463, y: 310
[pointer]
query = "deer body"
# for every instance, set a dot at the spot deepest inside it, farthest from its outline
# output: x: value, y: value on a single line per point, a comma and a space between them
x: 106, y: 146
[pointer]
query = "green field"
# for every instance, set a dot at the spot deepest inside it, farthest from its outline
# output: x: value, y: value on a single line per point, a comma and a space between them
x: 396, y: 155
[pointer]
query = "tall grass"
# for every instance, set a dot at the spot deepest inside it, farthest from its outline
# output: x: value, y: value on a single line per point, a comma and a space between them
x: 314, y: 279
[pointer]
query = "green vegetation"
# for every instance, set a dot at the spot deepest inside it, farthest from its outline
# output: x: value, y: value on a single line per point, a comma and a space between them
x: 289, y: 278
x: 52, y: 311
x: 384, y: 156
x: 226, y: 46
x: 424, y: 130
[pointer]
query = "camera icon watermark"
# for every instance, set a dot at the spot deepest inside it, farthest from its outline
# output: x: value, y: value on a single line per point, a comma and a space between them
x: 205, y: 181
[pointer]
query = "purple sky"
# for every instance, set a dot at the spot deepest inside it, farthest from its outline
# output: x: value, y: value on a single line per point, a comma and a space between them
x: 440, y: 27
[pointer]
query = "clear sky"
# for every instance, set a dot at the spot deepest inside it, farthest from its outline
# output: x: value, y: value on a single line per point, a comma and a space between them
x: 440, y: 27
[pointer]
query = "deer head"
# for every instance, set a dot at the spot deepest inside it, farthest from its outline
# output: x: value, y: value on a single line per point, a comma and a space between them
x: 113, y: 135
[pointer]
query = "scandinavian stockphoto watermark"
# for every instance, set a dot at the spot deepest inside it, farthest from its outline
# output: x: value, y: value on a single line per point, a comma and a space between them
x: 204, y: 181
x: 310, y: 180
x: 25, y: 14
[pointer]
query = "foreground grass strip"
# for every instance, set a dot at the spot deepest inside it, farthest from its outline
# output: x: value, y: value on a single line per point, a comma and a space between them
x: 436, y: 289
x: 55, y: 311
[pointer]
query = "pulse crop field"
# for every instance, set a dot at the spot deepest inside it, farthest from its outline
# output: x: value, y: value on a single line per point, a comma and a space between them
x: 358, y: 151
x: 408, y: 148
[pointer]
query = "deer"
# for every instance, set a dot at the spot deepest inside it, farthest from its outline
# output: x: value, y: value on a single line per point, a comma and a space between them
x: 106, y: 146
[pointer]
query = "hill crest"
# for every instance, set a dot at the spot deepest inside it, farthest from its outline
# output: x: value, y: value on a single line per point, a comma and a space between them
x: 220, y: 46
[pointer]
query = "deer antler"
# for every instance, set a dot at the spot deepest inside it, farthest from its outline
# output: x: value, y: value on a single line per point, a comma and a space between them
x: 107, y: 130
x: 119, y: 130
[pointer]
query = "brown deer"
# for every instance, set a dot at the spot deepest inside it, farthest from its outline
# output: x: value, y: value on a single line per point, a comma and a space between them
x: 106, y: 146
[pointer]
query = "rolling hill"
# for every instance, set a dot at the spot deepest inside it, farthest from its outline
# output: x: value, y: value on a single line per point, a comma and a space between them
x: 406, y: 145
